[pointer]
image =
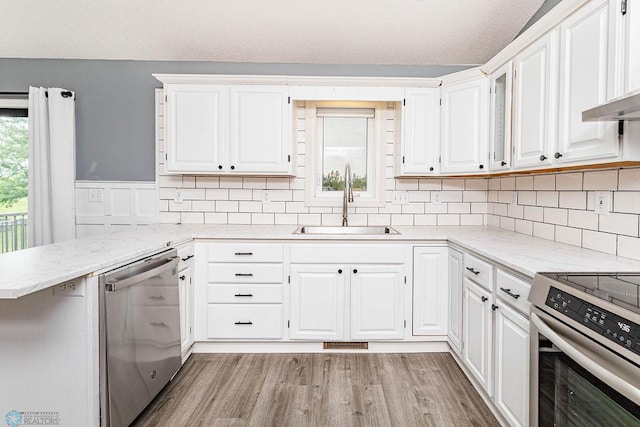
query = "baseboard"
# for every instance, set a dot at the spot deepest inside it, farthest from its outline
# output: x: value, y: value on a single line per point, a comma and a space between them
x: 316, y: 347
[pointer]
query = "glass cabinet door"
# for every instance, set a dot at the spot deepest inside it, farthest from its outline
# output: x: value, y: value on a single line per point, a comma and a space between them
x: 501, y: 118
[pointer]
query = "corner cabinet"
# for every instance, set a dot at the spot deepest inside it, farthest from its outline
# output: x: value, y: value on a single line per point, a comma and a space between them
x: 420, y: 147
x: 464, y: 130
x: 227, y: 129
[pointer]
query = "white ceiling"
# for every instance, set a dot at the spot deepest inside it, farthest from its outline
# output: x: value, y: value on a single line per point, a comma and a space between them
x: 287, y: 31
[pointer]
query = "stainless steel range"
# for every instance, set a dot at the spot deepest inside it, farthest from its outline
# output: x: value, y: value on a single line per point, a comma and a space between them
x: 585, y: 349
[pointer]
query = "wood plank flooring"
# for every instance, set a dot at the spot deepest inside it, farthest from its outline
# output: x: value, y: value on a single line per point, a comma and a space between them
x: 327, y: 389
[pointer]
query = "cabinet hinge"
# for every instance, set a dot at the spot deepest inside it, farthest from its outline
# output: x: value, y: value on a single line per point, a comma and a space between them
x: 515, y: 73
x: 620, y: 128
x: 405, y: 280
x: 405, y: 323
x: 166, y: 156
x: 404, y: 101
x: 289, y: 279
x: 189, y: 329
x: 165, y: 98
x: 440, y: 101
x: 402, y: 159
x: 490, y: 90
x: 623, y: 7
x: 288, y: 324
x: 289, y: 158
x: 439, y: 159
x: 288, y: 100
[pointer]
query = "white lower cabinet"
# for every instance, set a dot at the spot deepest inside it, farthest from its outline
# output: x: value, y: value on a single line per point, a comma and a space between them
x: 512, y: 365
x: 478, y: 333
x: 430, y: 290
x: 186, y: 307
x: 455, y: 300
x: 347, y: 302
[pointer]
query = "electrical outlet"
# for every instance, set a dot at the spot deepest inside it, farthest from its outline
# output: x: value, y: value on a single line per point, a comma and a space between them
x: 436, y: 198
x: 400, y: 198
x: 178, y: 197
x: 603, y: 202
x: 69, y: 289
x: 95, y: 194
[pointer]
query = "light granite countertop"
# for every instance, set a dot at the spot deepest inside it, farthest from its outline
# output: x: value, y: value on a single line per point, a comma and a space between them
x: 30, y: 270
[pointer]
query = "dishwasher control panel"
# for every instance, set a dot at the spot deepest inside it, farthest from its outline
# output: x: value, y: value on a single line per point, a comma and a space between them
x: 610, y: 325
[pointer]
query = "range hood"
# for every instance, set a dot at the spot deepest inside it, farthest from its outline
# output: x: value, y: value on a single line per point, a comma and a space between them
x: 623, y: 108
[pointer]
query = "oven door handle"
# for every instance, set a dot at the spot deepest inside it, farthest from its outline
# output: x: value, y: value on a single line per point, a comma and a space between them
x: 590, y: 356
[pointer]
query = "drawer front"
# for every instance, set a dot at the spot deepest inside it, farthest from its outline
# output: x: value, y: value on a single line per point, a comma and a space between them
x: 513, y: 290
x: 244, y: 294
x: 245, y: 273
x: 154, y: 295
x: 246, y: 252
x: 185, y: 255
x: 479, y: 271
x: 244, y: 321
x: 347, y: 254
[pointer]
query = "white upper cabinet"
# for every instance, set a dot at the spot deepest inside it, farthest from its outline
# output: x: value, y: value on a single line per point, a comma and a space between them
x: 195, y: 127
x: 464, y: 131
x: 260, y: 132
x: 631, y: 19
x: 220, y: 129
x: 534, y: 102
x: 420, y: 132
x: 500, y: 86
x: 586, y: 80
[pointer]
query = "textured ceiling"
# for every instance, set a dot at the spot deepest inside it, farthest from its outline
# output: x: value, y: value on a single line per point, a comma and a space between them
x: 287, y: 31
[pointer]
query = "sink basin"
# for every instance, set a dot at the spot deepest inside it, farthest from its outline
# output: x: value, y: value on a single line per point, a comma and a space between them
x: 321, y: 229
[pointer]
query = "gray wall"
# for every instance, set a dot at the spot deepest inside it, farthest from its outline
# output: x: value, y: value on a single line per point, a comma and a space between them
x: 546, y: 7
x: 115, y: 129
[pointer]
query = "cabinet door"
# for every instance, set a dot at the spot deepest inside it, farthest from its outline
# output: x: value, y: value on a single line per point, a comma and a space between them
x: 421, y: 132
x: 632, y: 46
x: 377, y: 302
x: 585, y: 82
x: 477, y: 350
x: 534, y: 103
x: 500, y: 121
x: 512, y: 366
x: 429, y: 291
x: 317, y: 302
x: 260, y: 133
x: 186, y: 308
x: 464, y: 131
x: 195, y: 128
x: 455, y: 299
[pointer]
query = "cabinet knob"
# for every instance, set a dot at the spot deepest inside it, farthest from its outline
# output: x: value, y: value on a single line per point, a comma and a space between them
x: 494, y: 307
x: 484, y: 299
x: 355, y: 270
x: 182, y: 277
x: 503, y: 163
x: 232, y: 167
x: 220, y: 167
x: 481, y: 166
x: 340, y: 271
x: 431, y: 169
x: 543, y: 157
x: 557, y: 155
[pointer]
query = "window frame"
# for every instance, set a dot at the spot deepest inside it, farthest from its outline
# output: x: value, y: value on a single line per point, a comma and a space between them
x: 376, y: 156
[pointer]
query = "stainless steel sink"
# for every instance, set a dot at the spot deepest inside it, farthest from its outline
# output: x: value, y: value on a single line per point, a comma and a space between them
x: 322, y: 229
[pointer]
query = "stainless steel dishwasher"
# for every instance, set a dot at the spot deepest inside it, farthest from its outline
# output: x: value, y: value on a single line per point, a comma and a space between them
x: 139, y: 335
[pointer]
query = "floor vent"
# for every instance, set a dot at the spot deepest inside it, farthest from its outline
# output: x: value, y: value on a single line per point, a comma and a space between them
x: 332, y: 345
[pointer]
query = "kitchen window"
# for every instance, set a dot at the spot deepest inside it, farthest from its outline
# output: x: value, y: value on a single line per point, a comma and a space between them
x: 339, y: 133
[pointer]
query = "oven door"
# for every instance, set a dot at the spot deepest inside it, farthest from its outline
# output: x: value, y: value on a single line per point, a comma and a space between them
x: 577, y: 382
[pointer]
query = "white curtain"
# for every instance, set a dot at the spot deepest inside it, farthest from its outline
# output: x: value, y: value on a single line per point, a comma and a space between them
x: 51, y: 198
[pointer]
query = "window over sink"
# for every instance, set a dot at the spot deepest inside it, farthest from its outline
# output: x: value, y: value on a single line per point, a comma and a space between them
x: 338, y: 133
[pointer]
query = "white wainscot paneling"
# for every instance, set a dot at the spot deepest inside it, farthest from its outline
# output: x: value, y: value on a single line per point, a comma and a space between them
x: 103, y: 207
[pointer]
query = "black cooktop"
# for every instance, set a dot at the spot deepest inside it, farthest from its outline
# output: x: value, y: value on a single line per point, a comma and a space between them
x: 621, y: 289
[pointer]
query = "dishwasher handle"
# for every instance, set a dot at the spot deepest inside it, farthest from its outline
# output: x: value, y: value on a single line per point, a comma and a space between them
x: 138, y: 276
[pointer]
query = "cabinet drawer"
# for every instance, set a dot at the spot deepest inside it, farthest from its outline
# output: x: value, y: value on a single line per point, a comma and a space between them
x: 185, y: 255
x: 479, y: 271
x: 244, y: 321
x: 246, y: 252
x: 513, y: 290
x: 341, y: 253
x: 245, y: 273
x: 243, y: 294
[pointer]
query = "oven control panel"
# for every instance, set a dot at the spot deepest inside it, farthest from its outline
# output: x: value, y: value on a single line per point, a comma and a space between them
x: 610, y: 325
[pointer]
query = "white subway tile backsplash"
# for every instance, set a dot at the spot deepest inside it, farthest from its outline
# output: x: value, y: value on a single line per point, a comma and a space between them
x: 616, y: 223
x: 379, y: 219
x: 192, y: 217
x: 500, y: 209
x: 476, y: 185
x: 448, y: 219
x: 544, y: 182
x: 569, y: 181
x: 430, y: 184
x: 309, y: 219
x: 451, y: 196
x: 534, y: 213
x: 583, y: 219
x: 508, y: 223
x: 556, y: 216
x: 240, y: 194
x: 573, y: 199
x: 471, y: 219
x: 239, y: 218
x: 544, y: 231
x: 547, y: 198
x: 217, y: 194
x: 414, y: 208
x: 474, y: 196
x: 527, y: 198
x: 405, y: 184
x: 494, y: 184
x: 629, y: 247
x: 230, y: 182
x: 401, y: 219
x: 524, y: 183
x: 426, y: 219
x: 629, y: 179
x: 524, y: 227
x: 277, y: 183
x: 274, y: 207
x: 250, y: 206
x: 508, y: 183
x: 626, y: 201
x: 505, y: 196
x: 419, y: 196
x: 601, y: 180
x: 515, y: 211
x: 603, y: 242
x: 568, y: 235
x: 251, y: 182
x: 207, y: 182
x: 479, y: 208
x: 493, y: 221
x: 291, y: 219
x: 193, y: 193
x: 453, y: 184
x: 262, y: 218
x: 226, y: 206
x: 203, y: 206
x: 188, y: 182
x: 459, y: 208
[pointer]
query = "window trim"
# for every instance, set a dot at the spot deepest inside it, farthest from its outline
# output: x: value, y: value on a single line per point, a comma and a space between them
x: 313, y: 157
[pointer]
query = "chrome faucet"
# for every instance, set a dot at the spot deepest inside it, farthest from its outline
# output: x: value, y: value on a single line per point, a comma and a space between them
x: 348, y: 194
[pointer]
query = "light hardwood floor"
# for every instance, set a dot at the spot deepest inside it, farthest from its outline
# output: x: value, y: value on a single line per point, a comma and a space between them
x: 328, y: 389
